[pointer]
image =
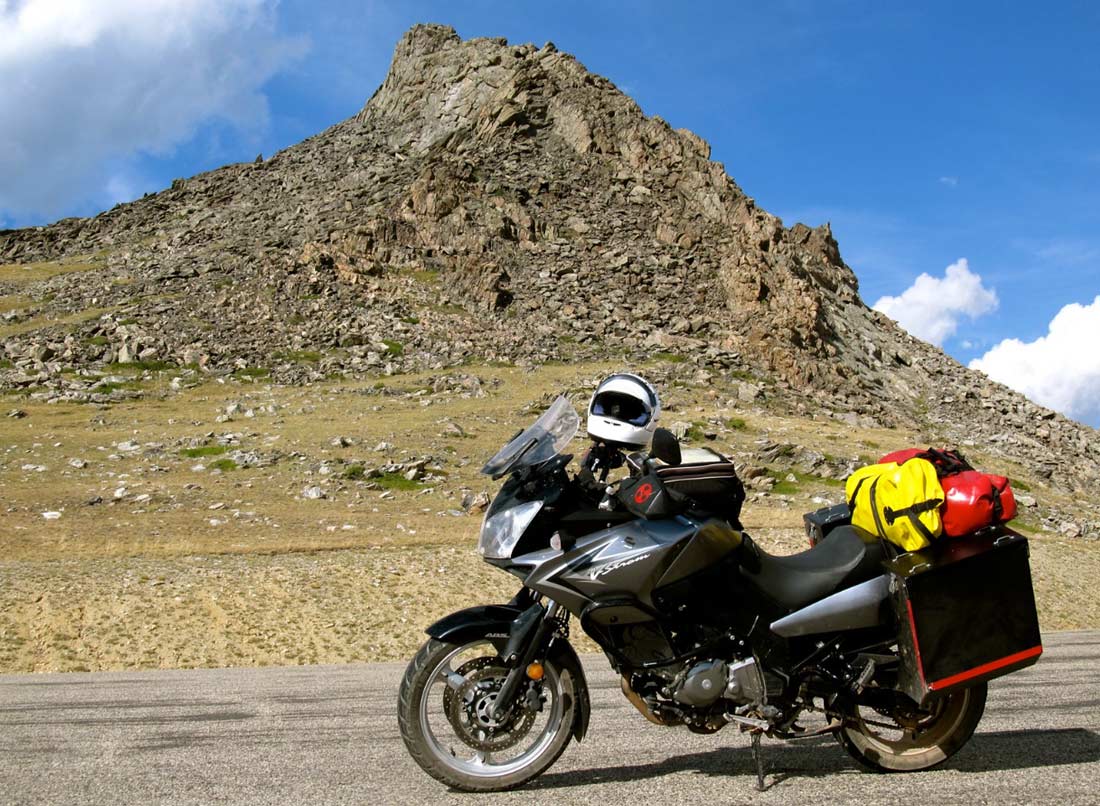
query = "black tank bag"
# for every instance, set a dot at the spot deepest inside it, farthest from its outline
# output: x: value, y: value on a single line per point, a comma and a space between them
x: 703, y: 488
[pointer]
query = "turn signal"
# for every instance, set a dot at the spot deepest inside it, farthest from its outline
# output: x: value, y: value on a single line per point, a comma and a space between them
x: 535, y: 671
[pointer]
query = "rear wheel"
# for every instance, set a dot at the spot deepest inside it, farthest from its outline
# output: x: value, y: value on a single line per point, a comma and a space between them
x: 907, y: 738
x: 446, y: 716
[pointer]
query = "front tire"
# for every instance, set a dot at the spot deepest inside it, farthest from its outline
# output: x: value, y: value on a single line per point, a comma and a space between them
x: 922, y: 739
x: 447, y: 725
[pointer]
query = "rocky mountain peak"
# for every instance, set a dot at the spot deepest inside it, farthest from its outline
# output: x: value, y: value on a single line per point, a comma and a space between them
x: 448, y: 98
x: 495, y: 202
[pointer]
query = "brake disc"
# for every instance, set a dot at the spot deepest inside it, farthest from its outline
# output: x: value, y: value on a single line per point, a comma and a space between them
x: 469, y: 708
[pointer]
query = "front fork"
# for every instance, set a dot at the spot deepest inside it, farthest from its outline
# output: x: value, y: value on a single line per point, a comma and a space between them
x: 528, y: 641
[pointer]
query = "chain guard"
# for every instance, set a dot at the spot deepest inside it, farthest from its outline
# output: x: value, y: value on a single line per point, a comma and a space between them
x: 467, y: 708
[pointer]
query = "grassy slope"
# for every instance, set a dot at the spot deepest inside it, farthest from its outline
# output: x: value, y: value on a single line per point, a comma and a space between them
x: 236, y: 568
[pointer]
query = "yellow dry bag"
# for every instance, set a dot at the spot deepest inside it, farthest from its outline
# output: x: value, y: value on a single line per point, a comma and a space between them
x: 898, y: 502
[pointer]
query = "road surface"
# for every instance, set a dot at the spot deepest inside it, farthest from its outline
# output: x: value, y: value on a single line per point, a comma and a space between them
x: 328, y: 734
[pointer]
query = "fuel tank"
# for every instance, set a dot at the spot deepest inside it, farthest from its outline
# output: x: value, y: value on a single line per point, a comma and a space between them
x: 623, y: 566
x: 623, y: 562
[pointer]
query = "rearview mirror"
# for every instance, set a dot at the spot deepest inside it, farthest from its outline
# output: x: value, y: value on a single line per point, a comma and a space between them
x: 665, y: 447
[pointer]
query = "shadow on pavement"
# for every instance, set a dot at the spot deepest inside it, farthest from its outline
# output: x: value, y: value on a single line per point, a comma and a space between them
x: 1021, y: 749
x: 804, y: 759
x: 986, y: 752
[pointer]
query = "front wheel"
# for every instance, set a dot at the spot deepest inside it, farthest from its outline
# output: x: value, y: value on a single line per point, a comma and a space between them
x: 445, y: 712
x: 907, y: 738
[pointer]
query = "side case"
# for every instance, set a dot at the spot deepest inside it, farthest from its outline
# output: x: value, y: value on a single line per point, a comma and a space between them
x: 966, y: 612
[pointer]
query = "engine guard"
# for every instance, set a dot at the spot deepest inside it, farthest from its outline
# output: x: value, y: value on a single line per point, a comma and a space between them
x: 496, y: 623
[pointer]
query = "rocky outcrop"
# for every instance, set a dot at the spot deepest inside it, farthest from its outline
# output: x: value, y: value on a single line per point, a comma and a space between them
x: 496, y: 202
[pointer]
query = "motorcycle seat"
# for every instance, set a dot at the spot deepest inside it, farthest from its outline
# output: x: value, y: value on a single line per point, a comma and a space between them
x: 797, y: 580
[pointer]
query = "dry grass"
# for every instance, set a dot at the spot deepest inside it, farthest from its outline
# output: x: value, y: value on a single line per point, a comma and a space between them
x: 38, y: 322
x: 36, y: 272
x: 236, y: 568
x: 14, y: 302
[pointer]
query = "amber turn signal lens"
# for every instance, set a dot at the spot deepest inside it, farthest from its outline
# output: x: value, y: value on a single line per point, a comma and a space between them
x: 535, y: 671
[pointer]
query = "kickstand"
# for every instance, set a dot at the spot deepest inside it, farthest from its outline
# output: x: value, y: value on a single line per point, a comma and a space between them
x: 758, y: 758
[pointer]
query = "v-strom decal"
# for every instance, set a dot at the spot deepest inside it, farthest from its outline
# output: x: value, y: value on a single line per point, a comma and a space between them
x: 618, y: 562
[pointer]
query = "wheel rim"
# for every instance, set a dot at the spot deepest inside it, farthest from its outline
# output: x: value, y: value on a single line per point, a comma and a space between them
x: 445, y: 738
x: 916, y: 734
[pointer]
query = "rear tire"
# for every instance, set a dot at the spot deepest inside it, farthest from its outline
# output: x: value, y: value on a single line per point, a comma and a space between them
x: 923, y: 739
x: 431, y: 736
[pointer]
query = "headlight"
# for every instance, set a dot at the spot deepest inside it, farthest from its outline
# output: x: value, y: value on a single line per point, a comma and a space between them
x: 502, y: 530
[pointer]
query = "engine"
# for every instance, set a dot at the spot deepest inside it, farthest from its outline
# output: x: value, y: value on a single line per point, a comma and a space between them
x: 698, y: 694
x: 702, y: 684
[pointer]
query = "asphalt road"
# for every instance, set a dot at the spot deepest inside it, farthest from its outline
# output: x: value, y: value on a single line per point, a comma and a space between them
x: 328, y: 734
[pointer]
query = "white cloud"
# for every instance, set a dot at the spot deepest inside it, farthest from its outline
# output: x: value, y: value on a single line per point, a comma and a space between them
x: 84, y: 83
x: 1060, y: 370
x: 931, y: 308
x: 950, y: 181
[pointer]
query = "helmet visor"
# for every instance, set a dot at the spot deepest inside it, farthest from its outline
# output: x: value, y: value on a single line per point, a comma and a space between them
x: 621, y: 407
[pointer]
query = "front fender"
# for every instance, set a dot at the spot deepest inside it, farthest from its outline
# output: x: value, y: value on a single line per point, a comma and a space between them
x: 495, y: 623
x: 484, y: 621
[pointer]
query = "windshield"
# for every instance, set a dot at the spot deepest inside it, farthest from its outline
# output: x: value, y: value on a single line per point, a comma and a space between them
x: 544, y: 440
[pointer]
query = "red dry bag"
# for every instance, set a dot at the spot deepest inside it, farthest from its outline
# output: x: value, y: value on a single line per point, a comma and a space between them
x: 973, y: 500
x: 946, y: 462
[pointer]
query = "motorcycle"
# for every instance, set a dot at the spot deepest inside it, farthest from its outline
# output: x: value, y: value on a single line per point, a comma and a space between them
x: 704, y: 627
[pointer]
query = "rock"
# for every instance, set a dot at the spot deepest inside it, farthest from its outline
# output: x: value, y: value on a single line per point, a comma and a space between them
x: 17, y: 414
x: 1070, y: 529
x: 314, y: 493
x: 762, y: 483
x: 51, y: 516
x: 79, y: 464
x: 679, y: 429
x: 749, y: 393
x: 475, y: 503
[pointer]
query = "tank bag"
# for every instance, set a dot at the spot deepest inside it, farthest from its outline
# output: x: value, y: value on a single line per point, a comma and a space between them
x: 900, y: 503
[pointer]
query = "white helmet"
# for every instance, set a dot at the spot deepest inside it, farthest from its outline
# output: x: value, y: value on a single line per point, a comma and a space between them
x: 623, y: 411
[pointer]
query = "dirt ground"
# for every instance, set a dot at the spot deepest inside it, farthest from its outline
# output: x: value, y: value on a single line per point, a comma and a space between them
x: 239, y: 523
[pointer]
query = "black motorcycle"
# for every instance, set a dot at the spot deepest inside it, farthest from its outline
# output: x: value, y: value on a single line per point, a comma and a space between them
x: 888, y: 651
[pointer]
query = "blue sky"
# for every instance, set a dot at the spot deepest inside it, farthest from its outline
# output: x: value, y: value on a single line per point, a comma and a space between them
x: 927, y: 133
